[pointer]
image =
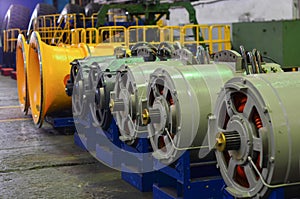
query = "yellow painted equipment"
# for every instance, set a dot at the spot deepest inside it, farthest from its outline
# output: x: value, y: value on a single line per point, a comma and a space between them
x: 102, y: 49
x: 49, y: 65
x: 21, y: 67
x: 48, y: 71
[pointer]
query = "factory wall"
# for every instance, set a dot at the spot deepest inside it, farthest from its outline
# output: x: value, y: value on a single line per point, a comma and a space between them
x: 229, y: 11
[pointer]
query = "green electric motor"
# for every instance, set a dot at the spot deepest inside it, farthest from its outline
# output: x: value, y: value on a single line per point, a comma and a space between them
x: 255, y: 132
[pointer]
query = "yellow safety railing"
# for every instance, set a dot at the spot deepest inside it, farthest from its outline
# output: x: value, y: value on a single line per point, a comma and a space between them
x: 112, y: 34
x: 84, y: 35
x: 149, y: 34
x: 219, y: 38
x: 188, y: 40
x: 46, y: 21
x: 76, y: 35
x: 92, y: 20
x: 216, y: 37
x: 10, y: 38
x: 170, y: 33
x: 92, y: 35
x: 55, y: 36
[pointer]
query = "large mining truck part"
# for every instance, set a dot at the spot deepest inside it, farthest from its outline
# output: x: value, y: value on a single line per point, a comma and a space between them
x: 40, y: 9
x: 21, y: 67
x: 77, y: 11
x: 17, y: 16
x: 255, y: 133
x: 48, y: 72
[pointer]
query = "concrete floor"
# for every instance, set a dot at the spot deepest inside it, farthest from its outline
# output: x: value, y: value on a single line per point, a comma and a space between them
x: 44, y: 163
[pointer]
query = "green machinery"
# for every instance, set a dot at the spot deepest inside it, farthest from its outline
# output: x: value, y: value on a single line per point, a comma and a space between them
x: 276, y: 39
x: 149, y: 12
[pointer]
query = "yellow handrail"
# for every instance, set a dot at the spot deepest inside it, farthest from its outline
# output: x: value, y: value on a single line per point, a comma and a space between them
x: 112, y: 34
x: 10, y: 38
x: 141, y: 34
x: 216, y: 37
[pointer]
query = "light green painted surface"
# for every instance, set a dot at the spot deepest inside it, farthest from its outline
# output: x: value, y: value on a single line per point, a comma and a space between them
x: 276, y: 39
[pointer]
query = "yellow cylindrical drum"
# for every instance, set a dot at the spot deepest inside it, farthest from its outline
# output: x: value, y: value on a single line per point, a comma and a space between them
x: 21, y: 67
x: 48, y: 71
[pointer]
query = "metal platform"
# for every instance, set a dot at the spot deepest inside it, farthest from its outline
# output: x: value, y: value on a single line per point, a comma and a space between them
x: 60, y: 122
x: 184, y: 179
x: 107, y: 145
x: 131, y: 172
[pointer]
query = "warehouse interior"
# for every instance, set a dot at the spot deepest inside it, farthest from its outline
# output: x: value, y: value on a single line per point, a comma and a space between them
x: 149, y: 99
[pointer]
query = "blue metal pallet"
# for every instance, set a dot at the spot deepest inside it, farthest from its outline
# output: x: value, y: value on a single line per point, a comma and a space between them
x: 63, y: 122
x: 60, y: 122
x: 112, y: 133
x: 184, y: 179
x: 102, y: 144
x: 107, y: 145
x: 141, y: 181
x: 141, y: 160
x: 110, y: 150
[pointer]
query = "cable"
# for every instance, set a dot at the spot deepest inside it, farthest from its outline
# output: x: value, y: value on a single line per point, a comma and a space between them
x: 207, y: 2
x: 265, y: 183
x: 269, y: 58
x: 186, y: 148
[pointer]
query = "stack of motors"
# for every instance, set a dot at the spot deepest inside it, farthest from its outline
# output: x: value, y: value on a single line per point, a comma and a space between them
x: 93, y: 79
x: 179, y: 101
x: 129, y: 97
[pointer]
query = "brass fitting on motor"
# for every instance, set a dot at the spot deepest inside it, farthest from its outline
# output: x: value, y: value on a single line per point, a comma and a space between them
x: 111, y: 105
x: 221, y: 142
x: 228, y: 141
x: 145, y: 117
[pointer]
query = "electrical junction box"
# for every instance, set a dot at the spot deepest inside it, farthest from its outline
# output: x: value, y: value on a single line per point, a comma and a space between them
x: 278, y: 40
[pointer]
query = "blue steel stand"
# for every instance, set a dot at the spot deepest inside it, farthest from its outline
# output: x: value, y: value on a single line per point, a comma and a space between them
x: 104, y: 144
x: 61, y: 122
x: 187, y: 180
x: 112, y: 133
x: 105, y: 140
x: 131, y: 173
